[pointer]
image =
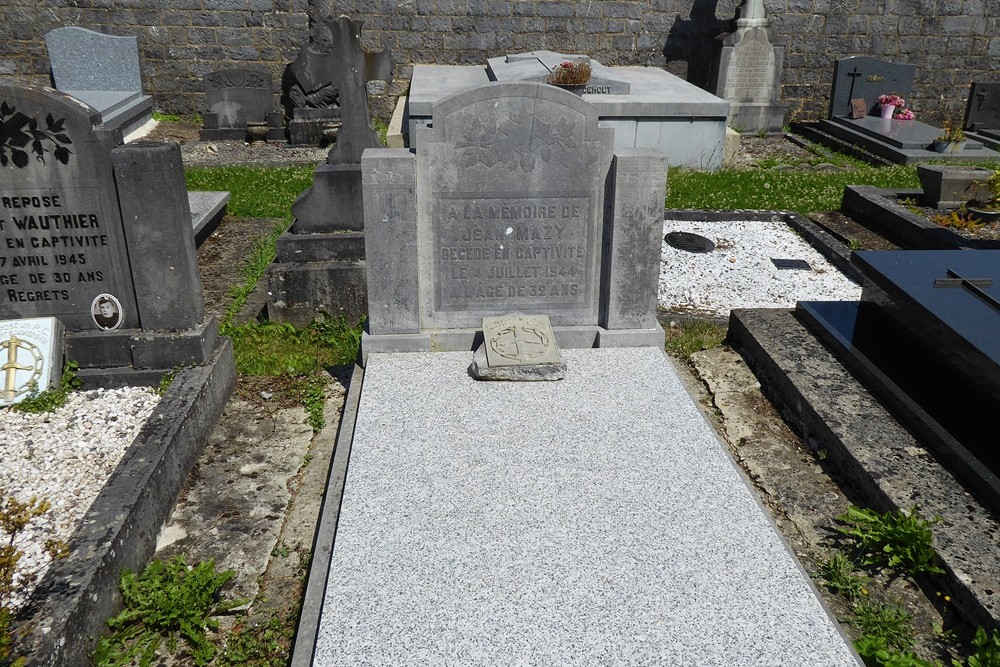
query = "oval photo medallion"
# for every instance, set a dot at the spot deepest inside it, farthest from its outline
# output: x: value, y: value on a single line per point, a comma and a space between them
x: 689, y: 242
x: 106, y: 311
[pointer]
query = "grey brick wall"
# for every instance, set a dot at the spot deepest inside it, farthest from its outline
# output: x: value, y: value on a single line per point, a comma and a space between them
x: 951, y: 41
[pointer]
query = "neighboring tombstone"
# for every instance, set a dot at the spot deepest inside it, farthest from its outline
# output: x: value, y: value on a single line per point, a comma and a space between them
x: 103, y: 71
x: 747, y: 71
x: 327, y: 79
x: 31, y: 353
x: 515, y: 202
x: 236, y: 97
x: 320, y: 263
x: 901, y: 141
x: 982, y: 113
x: 97, y: 235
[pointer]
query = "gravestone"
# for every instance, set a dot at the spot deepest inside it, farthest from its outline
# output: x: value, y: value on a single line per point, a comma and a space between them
x: 327, y: 79
x: 515, y: 202
x: 923, y: 338
x: 982, y: 113
x: 31, y: 352
x: 900, y: 141
x: 235, y: 97
x: 320, y: 262
x: 103, y: 71
x: 645, y: 106
x: 98, y: 235
x: 747, y: 71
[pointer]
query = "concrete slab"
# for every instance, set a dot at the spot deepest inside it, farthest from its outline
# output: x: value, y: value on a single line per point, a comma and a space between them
x: 529, y: 523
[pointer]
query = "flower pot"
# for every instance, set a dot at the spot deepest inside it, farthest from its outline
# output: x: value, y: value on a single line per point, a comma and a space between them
x: 575, y: 88
x: 987, y: 216
x: 948, y: 146
x: 887, y: 110
x: 257, y: 131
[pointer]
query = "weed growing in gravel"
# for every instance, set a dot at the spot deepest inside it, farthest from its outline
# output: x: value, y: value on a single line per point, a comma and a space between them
x: 168, y: 601
x: 165, y: 383
x: 263, y: 642
x: 52, y: 398
x: 959, y: 219
x: 14, y: 518
x: 840, y: 576
x: 896, y: 540
x: 687, y: 337
x: 314, y: 400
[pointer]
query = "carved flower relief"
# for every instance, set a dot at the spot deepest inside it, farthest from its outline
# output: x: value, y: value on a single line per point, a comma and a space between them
x: 20, y: 134
x: 235, y: 79
x: 493, y: 141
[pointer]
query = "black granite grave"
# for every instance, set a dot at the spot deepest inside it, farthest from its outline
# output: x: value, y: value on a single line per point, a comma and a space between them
x: 235, y: 97
x: 900, y: 141
x: 924, y: 340
x: 98, y: 235
x: 982, y: 114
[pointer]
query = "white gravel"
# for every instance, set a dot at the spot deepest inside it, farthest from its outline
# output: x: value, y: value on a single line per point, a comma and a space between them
x: 65, y: 457
x: 739, y: 273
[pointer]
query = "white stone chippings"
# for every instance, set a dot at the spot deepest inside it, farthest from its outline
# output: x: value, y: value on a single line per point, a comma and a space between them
x: 65, y: 457
x: 739, y: 272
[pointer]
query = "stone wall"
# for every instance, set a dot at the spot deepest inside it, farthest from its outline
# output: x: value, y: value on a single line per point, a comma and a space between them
x: 951, y: 41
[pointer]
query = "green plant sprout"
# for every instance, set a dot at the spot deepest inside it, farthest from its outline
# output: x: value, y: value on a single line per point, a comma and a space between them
x: 892, y: 539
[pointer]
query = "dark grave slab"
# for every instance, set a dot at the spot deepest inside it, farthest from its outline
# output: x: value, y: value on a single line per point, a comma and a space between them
x: 904, y: 134
x: 98, y: 235
x: 924, y: 338
x: 790, y: 264
x: 102, y: 71
x: 235, y: 97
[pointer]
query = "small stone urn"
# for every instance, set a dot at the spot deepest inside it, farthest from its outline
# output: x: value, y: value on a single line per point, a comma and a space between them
x: 257, y: 131
x: 331, y: 129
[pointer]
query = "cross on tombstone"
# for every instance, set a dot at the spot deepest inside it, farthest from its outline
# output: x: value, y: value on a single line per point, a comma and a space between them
x: 11, y: 367
x: 854, y: 74
x: 974, y: 285
x: 981, y: 98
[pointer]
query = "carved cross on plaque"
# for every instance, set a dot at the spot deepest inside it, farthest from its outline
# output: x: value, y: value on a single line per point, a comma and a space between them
x: 854, y: 74
x: 974, y: 285
x: 981, y: 98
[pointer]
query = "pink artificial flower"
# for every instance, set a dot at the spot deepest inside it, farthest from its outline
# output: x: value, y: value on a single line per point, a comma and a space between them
x: 905, y: 114
x: 893, y: 99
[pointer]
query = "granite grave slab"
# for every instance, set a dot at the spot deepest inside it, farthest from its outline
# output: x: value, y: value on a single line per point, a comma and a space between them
x: 235, y: 97
x: 102, y: 71
x: 924, y: 338
x: 523, y: 224
x: 31, y: 356
x: 98, y: 235
x: 658, y: 111
x: 900, y: 141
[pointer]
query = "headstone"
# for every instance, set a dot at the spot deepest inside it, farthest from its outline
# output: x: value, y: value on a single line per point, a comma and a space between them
x: 747, y: 71
x: 235, y: 97
x: 518, y: 347
x: 647, y: 107
x: 515, y: 202
x: 982, y: 113
x: 861, y: 78
x: 31, y: 352
x: 924, y: 338
x: 97, y: 235
x: 103, y: 71
x: 326, y: 82
x: 320, y: 262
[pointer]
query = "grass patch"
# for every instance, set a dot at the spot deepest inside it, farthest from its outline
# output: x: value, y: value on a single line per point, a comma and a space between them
x: 801, y: 191
x: 255, y: 192
x: 279, y: 348
x: 690, y: 336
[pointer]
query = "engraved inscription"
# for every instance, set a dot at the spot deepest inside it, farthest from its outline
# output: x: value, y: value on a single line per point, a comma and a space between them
x: 513, y: 251
x: 751, y: 76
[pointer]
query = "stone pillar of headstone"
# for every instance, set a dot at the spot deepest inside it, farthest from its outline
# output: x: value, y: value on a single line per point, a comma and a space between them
x: 632, y: 241
x: 747, y: 71
x: 157, y: 220
x: 391, y: 241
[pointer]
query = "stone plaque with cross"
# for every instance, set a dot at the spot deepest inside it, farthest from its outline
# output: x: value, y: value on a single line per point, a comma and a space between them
x: 518, y: 340
x: 865, y: 78
x: 31, y: 353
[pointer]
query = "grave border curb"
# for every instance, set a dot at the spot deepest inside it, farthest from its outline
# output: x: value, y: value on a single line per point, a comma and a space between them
x: 119, y: 531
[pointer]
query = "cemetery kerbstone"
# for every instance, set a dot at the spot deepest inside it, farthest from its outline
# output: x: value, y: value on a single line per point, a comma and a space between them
x: 103, y: 71
x: 126, y: 288
x: 235, y: 97
x: 511, y: 215
x: 31, y: 353
x: 747, y: 71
